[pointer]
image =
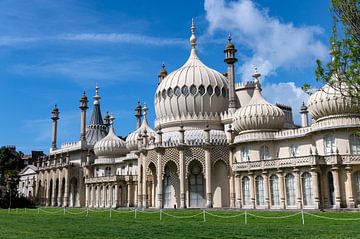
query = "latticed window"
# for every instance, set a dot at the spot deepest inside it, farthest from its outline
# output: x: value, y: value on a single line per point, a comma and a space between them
x: 274, y: 190
x: 307, y: 189
x: 264, y: 152
x: 246, y: 190
x: 294, y: 150
x: 259, y: 181
x: 357, y: 185
x: 355, y: 144
x: 245, y: 153
x: 330, y: 147
x: 290, y: 189
x: 107, y: 171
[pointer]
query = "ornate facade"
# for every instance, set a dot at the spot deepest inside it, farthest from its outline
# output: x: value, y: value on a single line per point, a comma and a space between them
x: 215, y: 143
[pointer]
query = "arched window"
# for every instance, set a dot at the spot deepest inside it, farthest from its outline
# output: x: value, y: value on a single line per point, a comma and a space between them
x: 246, y: 190
x: 294, y: 150
x: 107, y: 171
x: 274, y: 190
x: 259, y: 181
x: 307, y: 190
x: 330, y: 147
x: 290, y: 189
x: 245, y: 153
x: 355, y: 144
x: 264, y: 152
x: 357, y: 186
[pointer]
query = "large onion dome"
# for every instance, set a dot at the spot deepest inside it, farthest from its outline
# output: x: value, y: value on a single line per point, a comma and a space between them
x: 132, y: 139
x: 258, y: 114
x: 332, y: 99
x: 110, y: 145
x: 193, y: 90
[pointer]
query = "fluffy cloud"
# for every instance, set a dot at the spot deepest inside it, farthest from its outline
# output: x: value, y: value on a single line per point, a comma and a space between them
x: 273, y: 44
x: 288, y: 94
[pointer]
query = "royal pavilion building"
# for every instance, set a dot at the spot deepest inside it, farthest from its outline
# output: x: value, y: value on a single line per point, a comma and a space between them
x: 215, y: 143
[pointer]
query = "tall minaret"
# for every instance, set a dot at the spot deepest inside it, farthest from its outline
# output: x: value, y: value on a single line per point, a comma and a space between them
x: 230, y: 60
x: 163, y: 73
x: 54, y: 116
x: 304, y: 115
x: 83, y: 106
x: 138, y: 114
x: 107, y: 121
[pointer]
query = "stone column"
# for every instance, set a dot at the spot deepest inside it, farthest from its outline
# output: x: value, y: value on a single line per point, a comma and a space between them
x: 53, y: 195
x: 182, y: 178
x: 266, y: 189
x: 87, y: 195
x: 238, y: 190
x: 350, y: 202
x: 231, y: 180
x: 335, y: 171
x: 159, y: 187
x: 281, y: 189
x: 209, y: 202
x: 103, y: 200
x: 128, y: 194
x: 252, y: 189
x: 98, y: 195
x: 66, y: 190
x: 136, y: 195
x: 47, y: 192
x: 298, y: 188
x: 315, y: 187
x: 116, y: 195
x: 144, y: 184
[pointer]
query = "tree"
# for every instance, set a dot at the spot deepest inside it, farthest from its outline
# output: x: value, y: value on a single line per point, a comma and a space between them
x: 342, y: 73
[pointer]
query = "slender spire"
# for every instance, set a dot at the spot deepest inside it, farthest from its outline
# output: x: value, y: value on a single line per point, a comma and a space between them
x: 112, y: 119
x: 96, y: 97
x: 145, y: 109
x: 256, y: 76
x: 193, y: 37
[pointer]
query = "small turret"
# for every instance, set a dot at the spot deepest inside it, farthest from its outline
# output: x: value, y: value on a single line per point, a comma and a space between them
x: 304, y: 115
x: 55, y: 117
x: 83, y: 106
x: 163, y: 73
x: 107, y: 120
x: 138, y: 114
x: 230, y: 60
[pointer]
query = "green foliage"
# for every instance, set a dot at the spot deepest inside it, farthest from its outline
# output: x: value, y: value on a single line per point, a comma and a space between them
x: 343, y: 69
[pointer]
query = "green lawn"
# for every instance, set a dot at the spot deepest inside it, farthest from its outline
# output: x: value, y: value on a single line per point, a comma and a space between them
x: 123, y: 224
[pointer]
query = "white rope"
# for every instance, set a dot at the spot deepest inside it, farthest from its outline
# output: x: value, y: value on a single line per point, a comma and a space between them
x: 76, y: 213
x: 54, y: 212
x: 182, y: 217
x: 232, y: 216
x: 123, y: 211
x: 332, y: 218
x: 97, y: 210
x: 281, y: 217
x: 143, y: 211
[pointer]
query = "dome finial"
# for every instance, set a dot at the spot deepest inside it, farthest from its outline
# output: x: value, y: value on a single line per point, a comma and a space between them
x: 112, y: 119
x: 193, y: 37
x: 145, y: 109
x: 256, y: 76
x: 96, y: 97
x: 229, y: 38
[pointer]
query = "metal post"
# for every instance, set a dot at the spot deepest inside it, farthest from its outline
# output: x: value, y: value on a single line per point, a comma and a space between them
x: 135, y: 214
x: 160, y: 214
x: 204, y: 215
x: 110, y: 212
x: 302, y: 216
x: 245, y: 217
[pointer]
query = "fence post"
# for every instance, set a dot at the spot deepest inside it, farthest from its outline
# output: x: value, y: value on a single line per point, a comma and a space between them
x: 302, y: 216
x: 160, y: 214
x: 87, y: 211
x: 16, y: 210
x: 64, y: 210
x: 245, y: 217
x: 110, y: 213
x: 25, y: 210
x: 204, y: 215
x: 38, y: 210
x: 135, y: 214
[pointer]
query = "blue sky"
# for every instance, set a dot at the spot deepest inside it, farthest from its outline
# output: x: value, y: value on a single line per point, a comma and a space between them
x: 51, y: 51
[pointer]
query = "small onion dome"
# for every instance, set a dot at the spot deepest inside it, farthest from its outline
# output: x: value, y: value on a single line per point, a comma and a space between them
x: 332, y: 100
x: 132, y: 139
x: 110, y: 145
x: 229, y: 45
x: 163, y: 73
x: 258, y: 114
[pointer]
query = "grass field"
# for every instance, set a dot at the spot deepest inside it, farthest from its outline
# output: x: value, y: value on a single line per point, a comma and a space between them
x: 52, y: 223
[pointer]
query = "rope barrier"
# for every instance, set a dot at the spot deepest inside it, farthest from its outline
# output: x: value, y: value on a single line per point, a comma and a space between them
x: 55, y: 212
x: 149, y: 212
x: 332, y: 218
x: 280, y: 217
x: 182, y: 217
x: 76, y: 213
x: 232, y: 216
x: 122, y: 211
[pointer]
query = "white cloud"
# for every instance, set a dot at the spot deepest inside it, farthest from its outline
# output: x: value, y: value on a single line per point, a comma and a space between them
x: 286, y: 93
x: 12, y: 40
x: 128, y: 38
x: 274, y: 44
